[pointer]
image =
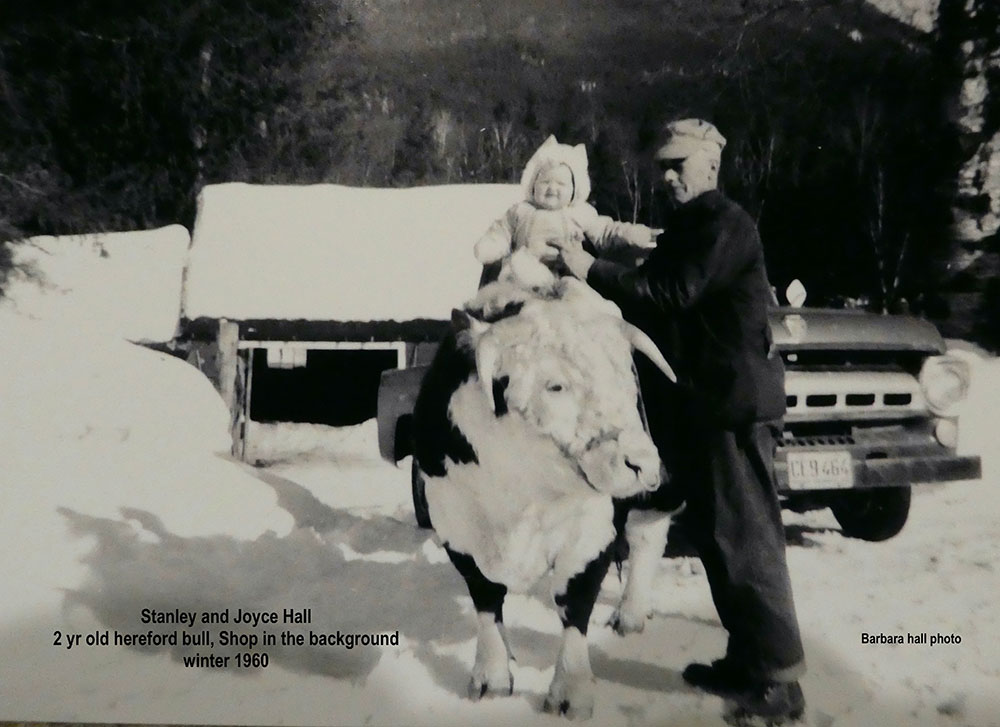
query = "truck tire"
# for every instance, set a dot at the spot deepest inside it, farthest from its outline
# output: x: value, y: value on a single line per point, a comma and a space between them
x: 873, y: 515
x: 419, y: 497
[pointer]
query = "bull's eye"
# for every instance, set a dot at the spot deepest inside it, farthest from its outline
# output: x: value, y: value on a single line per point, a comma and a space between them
x: 554, y: 387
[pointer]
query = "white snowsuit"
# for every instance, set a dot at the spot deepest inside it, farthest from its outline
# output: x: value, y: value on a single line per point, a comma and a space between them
x: 519, y: 238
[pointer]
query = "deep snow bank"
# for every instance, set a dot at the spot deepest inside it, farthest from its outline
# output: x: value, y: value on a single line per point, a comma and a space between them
x: 124, y: 284
x: 94, y: 424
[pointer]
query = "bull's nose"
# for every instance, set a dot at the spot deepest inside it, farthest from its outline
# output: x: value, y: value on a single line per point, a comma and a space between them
x: 651, y: 483
x: 637, y: 470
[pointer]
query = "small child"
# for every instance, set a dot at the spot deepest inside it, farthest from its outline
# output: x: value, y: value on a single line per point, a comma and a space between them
x: 556, y: 186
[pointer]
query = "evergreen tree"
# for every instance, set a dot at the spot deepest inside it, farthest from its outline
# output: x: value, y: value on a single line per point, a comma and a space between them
x: 416, y: 160
x: 968, y: 44
x: 131, y: 107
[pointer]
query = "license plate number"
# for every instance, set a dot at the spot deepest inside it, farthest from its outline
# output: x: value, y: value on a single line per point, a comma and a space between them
x: 820, y: 470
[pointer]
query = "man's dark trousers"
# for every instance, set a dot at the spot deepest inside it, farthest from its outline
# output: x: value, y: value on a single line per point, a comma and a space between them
x: 733, y: 519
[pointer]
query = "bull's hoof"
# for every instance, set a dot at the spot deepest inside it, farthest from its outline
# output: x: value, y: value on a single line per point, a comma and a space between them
x: 480, y: 685
x: 571, y: 698
x: 627, y: 621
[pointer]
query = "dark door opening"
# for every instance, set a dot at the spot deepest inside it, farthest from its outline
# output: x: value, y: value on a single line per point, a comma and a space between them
x: 335, y: 387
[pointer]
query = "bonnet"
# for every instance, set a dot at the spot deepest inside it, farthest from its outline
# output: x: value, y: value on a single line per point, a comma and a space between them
x: 575, y: 157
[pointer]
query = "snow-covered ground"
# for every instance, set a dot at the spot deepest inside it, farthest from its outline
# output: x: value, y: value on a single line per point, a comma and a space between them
x: 117, y: 494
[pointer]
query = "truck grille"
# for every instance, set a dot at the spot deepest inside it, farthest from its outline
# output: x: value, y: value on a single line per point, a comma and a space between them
x: 852, y: 395
x: 835, y: 440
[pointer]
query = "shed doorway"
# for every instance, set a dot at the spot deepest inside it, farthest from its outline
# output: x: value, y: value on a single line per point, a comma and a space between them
x: 335, y: 384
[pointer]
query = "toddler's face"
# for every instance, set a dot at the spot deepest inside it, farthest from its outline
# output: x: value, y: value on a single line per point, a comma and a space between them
x: 553, y: 188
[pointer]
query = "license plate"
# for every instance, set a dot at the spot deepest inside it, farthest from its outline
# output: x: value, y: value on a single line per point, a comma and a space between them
x: 820, y: 470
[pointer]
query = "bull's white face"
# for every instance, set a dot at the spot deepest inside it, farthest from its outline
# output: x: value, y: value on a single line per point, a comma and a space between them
x: 568, y: 375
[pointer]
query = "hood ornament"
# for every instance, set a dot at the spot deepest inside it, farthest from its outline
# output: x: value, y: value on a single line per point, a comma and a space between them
x: 795, y: 324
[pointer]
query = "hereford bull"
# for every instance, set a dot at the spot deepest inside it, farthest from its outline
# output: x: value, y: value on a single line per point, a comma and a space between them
x: 528, y: 429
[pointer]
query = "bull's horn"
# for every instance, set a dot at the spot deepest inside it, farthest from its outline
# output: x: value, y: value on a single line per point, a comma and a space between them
x: 644, y: 344
x: 486, y: 364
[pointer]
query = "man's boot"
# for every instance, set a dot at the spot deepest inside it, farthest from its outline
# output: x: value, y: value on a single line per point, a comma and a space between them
x: 722, y: 677
x: 777, y: 703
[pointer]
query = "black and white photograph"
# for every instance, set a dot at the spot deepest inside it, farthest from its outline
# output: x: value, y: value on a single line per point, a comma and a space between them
x: 530, y: 362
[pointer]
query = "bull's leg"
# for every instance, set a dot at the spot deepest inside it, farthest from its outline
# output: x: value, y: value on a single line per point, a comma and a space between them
x: 491, y: 672
x: 646, y: 532
x: 572, y: 689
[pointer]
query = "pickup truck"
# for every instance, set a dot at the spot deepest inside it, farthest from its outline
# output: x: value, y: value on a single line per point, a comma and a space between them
x: 871, y: 411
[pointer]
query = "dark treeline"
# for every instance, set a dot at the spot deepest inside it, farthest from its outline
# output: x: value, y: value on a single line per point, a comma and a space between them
x: 114, y: 113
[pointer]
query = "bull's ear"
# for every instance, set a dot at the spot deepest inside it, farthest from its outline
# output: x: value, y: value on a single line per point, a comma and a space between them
x: 460, y: 320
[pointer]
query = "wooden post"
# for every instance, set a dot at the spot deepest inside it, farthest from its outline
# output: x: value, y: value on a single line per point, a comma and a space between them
x: 230, y: 384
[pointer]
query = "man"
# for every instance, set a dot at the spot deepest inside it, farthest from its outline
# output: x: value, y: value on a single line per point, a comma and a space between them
x: 702, y: 295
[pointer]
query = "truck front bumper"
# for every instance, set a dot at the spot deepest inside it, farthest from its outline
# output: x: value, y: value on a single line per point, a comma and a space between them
x: 897, y: 471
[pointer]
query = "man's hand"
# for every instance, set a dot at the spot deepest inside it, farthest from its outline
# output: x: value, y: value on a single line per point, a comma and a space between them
x: 576, y: 259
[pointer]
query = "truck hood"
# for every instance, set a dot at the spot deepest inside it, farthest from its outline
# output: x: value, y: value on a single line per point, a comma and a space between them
x: 857, y: 330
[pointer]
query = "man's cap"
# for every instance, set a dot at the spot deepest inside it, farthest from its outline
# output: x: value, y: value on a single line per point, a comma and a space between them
x: 680, y: 139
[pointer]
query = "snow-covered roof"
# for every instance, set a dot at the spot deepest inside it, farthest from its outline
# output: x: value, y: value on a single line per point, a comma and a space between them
x: 330, y: 252
x: 127, y: 284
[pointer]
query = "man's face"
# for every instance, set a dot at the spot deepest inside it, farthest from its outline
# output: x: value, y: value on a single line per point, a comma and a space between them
x: 689, y: 177
x: 553, y: 188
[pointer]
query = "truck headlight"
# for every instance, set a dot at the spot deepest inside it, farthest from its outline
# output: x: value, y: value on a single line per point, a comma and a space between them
x: 945, y: 383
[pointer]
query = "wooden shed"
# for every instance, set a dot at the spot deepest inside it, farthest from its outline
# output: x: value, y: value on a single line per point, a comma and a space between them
x: 296, y: 298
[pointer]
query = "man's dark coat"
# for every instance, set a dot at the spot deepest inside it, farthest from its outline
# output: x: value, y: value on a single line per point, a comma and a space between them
x: 702, y: 296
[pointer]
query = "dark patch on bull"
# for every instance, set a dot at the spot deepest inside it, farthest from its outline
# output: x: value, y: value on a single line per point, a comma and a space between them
x: 619, y: 547
x: 508, y: 311
x: 490, y: 315
x: 487, y: 596
x: 491, y: 271
x: 500, y: 395
x: 577, y: 602
x: 436, y: 438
